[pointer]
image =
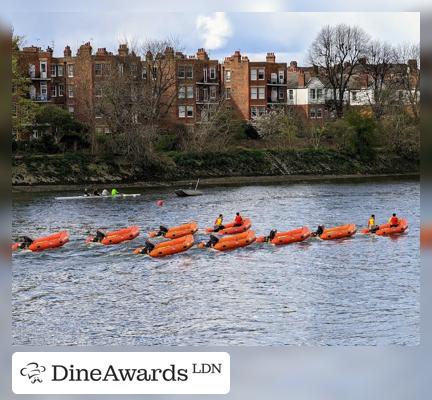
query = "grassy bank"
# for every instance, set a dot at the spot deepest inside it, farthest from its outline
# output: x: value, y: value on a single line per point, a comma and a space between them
x: 75, y: 169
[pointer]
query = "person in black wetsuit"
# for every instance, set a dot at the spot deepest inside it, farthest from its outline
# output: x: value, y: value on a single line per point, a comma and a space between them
x: 96, y: 193
x: 271, y: 235
x: 319, y: 231
x: 24, y: 242
x: 147, y: 248
x: 213, y: 240
x: 99, y: 236
x: 162, y: 231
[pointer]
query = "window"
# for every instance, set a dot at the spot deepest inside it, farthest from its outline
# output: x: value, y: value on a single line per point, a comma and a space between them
x: 182, y: 112
x: 319, y: 93
x: 99, y: 129
x: 291, y: 94
x: 71, y: 109
x: 144, y: 73
x: 212, y: 73
x: 189, y: 111
x: 261, y: 73
x: 70, y: 91
x: 312, y: 113
x: 70, y: 70
x: 154, y: 72
x: 228, y: 75
x: 53, y: 70
x: 189, y: 93
x: 182, y: 92
x: 273, y: 77
x: 181, y: 71
x: 253, y: 74
x: 133, y: 69
x: 319, y: 113
x: 281, y: 93
x: 312, y: 94
x: 261, y: 110
x: 43, y: 69
x: 53, y: 91
x: 254, y: 112
x: 120, y: 69
x: 60, y: 90
x: 205, y: 74
x: 205, y: 94
x: 98, y: 69
x: 354, y: 96
x: 212, y: 92
x: 261, y: 92
x: 254, y: 93
x: 189, y: 72
x: 281, y: 76
x: 43, y: 90
x: 32, y: 70
x: 107, y: 130
x: 228, y: 93
x: 98, y: 91
x: 59, y: 70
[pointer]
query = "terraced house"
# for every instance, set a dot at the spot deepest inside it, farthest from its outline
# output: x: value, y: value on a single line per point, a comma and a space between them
x: 76, y: 83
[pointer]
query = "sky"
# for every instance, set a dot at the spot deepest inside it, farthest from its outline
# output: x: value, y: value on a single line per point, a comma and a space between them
x: 265, y: 27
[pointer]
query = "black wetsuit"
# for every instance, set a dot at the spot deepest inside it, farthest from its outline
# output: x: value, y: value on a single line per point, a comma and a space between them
x: 319, y: 231
x: 99, y: 236
x: 147, y: 248
x: 25, y: 242
x: 213, y: 240
x: 162, y: 231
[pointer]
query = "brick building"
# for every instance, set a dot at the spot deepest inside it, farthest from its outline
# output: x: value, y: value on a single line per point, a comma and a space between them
x: 75, y: 83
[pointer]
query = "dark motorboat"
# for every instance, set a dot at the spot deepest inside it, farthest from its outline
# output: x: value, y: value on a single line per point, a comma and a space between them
x: 189, y: 192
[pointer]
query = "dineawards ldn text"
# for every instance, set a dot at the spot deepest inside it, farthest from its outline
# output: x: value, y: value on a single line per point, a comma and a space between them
x: 60, y: 373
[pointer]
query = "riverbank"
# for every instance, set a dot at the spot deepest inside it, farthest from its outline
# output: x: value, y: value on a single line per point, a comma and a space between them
x: 72, y: 171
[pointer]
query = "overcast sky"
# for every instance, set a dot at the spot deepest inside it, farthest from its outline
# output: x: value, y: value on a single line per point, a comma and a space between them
x: 288, y: 34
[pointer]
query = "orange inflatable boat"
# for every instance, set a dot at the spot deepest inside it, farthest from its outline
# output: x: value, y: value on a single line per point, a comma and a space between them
x: 231, y: 229
x: 119, y: 236
x: 179, y: 231
x: 49, y: 242
x: 170, y: 247
x: 339, y: 232
x: 386, y: 229
x: 296, y: 235
x: 232, y: 242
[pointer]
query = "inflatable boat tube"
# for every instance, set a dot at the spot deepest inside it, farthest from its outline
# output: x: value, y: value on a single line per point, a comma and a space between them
x: 231, y: 229
x: 116, y: 237
x: 296, y: 235
x: 339, y: 232
x: 50, y: 242
x: 179, y: 231
x: 170, y: 247
x: 235, y: 241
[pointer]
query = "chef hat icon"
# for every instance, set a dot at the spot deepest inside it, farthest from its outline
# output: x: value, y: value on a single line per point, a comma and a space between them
x: 33, y: 371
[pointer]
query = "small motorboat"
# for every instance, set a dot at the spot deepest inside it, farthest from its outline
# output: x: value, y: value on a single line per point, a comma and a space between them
x: 119, y: 236
x: 339, y: 232
x: 47, y: 242
x: 294, y: 236
x: 232, y: 242
x: 169, y: 247
x: 388, y: 230
x: 189, y: 192
x: 178, y: 231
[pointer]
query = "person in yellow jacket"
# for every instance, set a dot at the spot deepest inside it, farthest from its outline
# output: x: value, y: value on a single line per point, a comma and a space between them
x: 114, y: 192
x: 372, y: 226
x: 218, y: 225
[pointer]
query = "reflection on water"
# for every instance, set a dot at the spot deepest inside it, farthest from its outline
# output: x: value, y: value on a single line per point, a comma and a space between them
x: 359, y: 291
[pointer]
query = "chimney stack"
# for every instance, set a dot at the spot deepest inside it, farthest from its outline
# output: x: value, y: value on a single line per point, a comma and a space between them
x: 67, y: 52
x: 236, y: 56
x: 202, y: 55
x: 270, y: 58
x: 293, y: 66
x: 412, y: 64
x: 123, y: 50
x: 85, y: 49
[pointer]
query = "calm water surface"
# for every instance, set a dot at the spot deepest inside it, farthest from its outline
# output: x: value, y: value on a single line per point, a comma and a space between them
x: 359, y: 291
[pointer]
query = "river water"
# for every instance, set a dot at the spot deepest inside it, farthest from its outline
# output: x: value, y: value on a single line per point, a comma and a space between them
x: 359, y: 291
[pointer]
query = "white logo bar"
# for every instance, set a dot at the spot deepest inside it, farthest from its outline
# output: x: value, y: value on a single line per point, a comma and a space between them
x: 120, y: 373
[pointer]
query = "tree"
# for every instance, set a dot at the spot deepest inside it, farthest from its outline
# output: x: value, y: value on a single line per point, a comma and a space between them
x: 217, y: 128
x: 24, y: 109
x: 380, y: 66
x: 135, y: 97
x: 336, y: 52
x: 280, y: 124
x: 408, y: 77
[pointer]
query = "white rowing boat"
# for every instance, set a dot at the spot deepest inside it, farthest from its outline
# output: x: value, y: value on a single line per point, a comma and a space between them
x: 99, y: 197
